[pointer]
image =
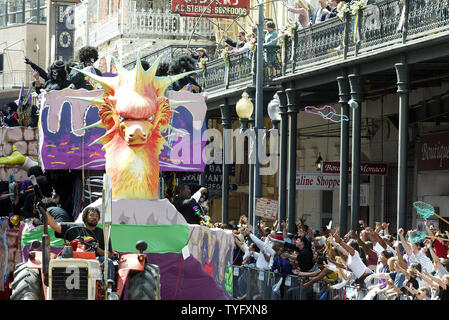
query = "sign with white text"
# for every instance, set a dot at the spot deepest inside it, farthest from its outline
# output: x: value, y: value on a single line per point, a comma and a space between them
x: 317, y: 181
x: 266, y: 208
x: 225, y: 9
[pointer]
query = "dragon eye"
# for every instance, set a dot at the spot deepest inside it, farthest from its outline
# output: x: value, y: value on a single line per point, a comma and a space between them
x: 121, y: 118
x: 151, y: 118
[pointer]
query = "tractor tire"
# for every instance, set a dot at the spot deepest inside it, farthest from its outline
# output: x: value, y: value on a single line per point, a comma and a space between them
x: 19, y: 267
x: 146, y: 284
x: 27, y: 281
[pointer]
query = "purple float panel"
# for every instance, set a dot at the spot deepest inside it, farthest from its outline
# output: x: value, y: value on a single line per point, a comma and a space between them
x: 65, y: 145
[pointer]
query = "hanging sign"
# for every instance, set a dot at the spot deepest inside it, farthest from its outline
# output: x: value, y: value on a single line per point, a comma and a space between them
x: 366, y: 168
x: 433, y: 152
x: 225, y: 9
x: 317, y: 181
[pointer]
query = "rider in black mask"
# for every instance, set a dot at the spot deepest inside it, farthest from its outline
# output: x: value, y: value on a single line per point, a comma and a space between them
x: 55, y: 79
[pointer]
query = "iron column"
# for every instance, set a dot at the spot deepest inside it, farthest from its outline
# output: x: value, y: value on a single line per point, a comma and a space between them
x: 403, y: 77
x: 344, y: 95
x: 293, y: 123
x: 355, y: 82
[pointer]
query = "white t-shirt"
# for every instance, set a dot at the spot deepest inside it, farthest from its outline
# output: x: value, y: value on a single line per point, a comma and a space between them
x: 356, y: 264
x: 261, y: 262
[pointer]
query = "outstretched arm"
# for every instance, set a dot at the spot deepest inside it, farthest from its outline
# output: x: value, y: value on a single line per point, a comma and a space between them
x: 360, y: 241
x: 401, y: 259
x: 405, y: 244
x: 317, y: 278
x: 349, y: 249
x: 435, y: 259
x: 433, y: 281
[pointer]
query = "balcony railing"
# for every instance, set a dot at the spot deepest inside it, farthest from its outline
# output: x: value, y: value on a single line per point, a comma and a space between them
x: 15, y: 79
x: 379, y: 27
x: 153, y: 24
x: 169, y: 53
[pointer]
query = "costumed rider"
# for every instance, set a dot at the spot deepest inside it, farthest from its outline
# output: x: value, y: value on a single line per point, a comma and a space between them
x: 187, y: 204
x: 55, y: 79
x: 26, y: 110
x: 87, y: 57
x: 90, y: 235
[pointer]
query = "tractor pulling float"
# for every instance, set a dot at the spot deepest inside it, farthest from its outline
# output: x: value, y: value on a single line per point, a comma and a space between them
x: 134, y: 117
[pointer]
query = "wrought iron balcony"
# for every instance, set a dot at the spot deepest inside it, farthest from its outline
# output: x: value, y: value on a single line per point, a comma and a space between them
x: 379, y: 27
x: 169, y: 53
x: 157, y: 24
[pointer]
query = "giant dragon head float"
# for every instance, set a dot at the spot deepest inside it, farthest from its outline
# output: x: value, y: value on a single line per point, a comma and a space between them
x: 134, y: 112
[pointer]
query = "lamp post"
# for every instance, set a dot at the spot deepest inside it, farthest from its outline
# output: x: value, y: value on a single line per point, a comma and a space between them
x: 319, y: 163
x: 355, y: 82
x: 283, y: 157
x: 292, y: 111
x: 244, y: 109
x: 278, y: 116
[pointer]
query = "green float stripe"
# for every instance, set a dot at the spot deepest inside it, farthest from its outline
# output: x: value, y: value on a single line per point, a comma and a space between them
x: 36, y: 234
x: 160, y: 238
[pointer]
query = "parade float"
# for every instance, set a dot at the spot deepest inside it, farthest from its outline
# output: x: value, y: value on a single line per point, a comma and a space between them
x: 134, y: 129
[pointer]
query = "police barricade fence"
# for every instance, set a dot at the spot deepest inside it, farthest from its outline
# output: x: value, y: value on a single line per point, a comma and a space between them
x: 250, y: 283
x: 254, y: 284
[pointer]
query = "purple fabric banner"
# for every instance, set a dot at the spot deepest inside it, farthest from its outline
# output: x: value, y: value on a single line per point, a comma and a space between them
x: 63, y: 146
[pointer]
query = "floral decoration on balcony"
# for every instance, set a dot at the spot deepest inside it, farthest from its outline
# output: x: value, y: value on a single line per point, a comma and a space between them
x: 202, y: 62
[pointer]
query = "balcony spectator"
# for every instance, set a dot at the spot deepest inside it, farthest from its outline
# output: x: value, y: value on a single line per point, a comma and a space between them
x: 231, y: 44
x: 271, y: 48
x: 302, y: 10
x: 199, y: 54
x: 320, y: 13
x: 332, y: 7
x: 247, y: 46
x: 87, y: 57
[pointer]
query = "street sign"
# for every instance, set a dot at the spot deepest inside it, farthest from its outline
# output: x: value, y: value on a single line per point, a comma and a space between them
x: 213, y: 179
x: 225, y: 9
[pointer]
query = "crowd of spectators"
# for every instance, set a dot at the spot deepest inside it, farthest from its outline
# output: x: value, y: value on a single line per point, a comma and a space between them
x: 371, y: 260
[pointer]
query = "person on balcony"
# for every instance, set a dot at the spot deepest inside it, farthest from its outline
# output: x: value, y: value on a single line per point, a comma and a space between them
x: 87, y: 57
x: 230, y: 44
x: 302, y: 10
x: 200, y: 53
x: 320, y: 13
x: 271, y: 48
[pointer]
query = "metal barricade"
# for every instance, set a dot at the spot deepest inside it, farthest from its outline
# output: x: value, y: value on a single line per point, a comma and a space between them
x: 253, y: 284
x: 354, y: 293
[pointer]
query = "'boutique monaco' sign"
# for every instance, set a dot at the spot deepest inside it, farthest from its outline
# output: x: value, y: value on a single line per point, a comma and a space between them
x: 366, y: 168
x: 211, y: 8
x: 434, y: 152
